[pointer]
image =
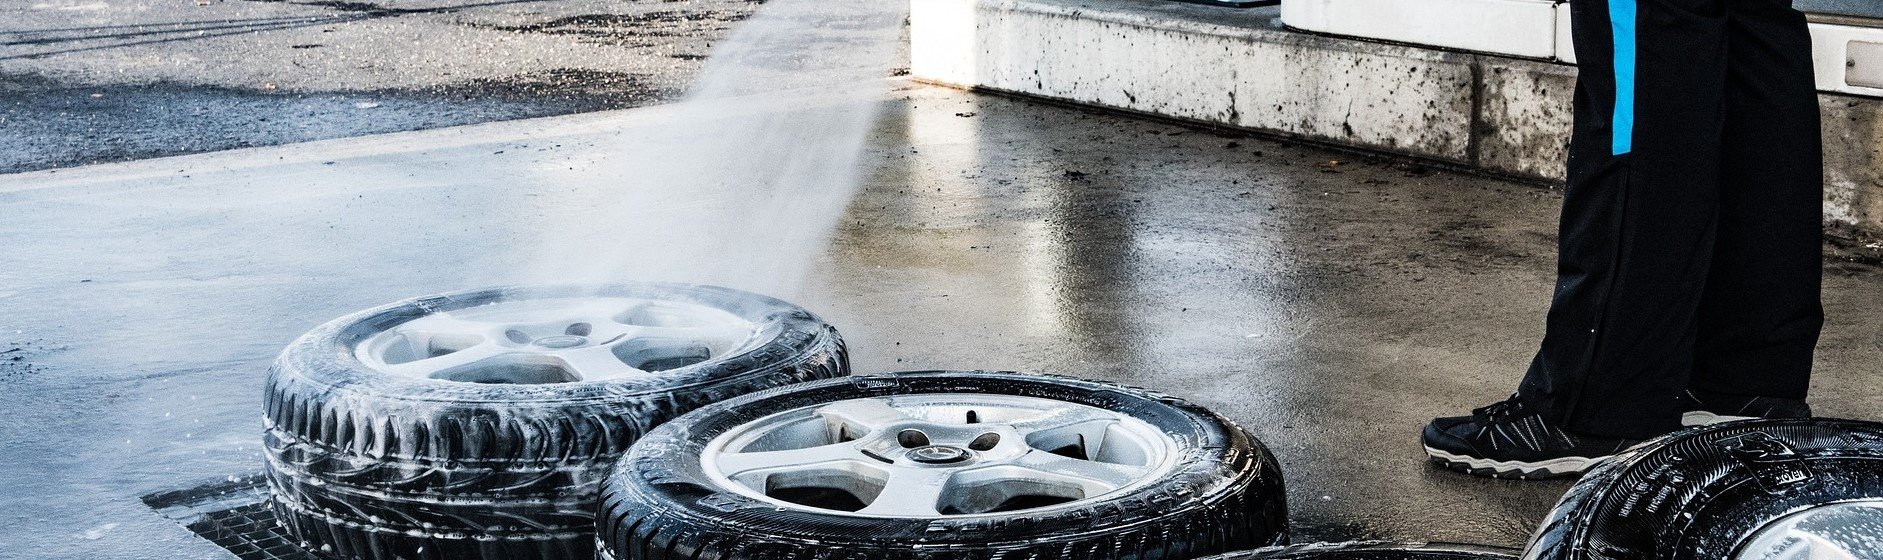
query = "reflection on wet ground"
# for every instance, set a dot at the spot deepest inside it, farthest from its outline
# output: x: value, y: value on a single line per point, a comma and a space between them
x: 1329, y: 302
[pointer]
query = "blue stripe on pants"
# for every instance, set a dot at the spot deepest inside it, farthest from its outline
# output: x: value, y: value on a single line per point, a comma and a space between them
x: 1621, y: 17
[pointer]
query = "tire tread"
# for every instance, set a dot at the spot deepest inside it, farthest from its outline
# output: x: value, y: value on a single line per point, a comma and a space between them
x: 357, y: 475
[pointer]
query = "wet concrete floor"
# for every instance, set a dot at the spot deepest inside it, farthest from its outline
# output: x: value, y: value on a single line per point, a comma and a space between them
x: 1329, y: 302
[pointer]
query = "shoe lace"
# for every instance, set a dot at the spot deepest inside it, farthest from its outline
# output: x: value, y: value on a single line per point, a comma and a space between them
x: 1498, y: 411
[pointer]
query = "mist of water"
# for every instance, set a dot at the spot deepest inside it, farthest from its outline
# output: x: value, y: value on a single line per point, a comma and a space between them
x: 742, y: 183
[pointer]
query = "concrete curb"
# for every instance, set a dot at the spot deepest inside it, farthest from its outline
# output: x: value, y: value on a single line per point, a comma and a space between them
x: 1242, y: 69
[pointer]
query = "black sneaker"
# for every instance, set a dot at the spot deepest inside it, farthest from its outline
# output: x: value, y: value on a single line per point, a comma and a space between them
x: 1705, y: 407
x: 1508, y: 440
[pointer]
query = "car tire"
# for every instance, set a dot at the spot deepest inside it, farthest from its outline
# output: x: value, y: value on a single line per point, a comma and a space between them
x: 1373, y: 550
x: 1182, y: 481
x: 489, y: 459
x: 1705, y: 493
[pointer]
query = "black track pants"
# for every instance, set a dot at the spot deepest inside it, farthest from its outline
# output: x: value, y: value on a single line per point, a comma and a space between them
x: 1690, y: 245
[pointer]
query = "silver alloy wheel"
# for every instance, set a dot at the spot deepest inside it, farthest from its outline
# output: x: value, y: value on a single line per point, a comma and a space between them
x: 938, y: 455
x: 556, y: 340
x: 1839, y: 531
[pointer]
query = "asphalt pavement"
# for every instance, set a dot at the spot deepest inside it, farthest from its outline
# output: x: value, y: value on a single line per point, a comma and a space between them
x: 89, y: 81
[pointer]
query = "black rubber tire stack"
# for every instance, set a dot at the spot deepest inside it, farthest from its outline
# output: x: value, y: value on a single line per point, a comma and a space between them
x: 1373, y: 550
x: 367, y: 465
x: 1697, y: 494
x: 1226, y: 493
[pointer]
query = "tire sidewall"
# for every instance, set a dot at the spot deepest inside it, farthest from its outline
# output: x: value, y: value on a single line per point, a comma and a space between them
x: 1216, y: 459
x: 1698, y: 494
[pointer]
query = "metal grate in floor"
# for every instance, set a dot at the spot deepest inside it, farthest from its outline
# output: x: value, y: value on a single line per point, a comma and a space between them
x: 232, y: 513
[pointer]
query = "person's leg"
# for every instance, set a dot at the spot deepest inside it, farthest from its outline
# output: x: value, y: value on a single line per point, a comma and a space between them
x: 1638, y: 218
x: 1636, y: 240
x: 1760, y: 317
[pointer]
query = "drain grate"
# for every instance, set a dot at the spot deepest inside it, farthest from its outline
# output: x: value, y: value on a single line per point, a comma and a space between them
x: 233, y: 513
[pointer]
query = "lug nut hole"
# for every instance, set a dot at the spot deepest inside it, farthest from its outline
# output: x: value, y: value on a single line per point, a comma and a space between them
x: 912, y: 439
x: 984, y: 442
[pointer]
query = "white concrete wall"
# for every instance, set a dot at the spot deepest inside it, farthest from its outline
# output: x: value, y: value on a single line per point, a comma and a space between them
x: 1401, y: 99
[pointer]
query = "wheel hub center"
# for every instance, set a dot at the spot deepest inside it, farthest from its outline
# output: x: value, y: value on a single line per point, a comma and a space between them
x: 939, y: 454
x: 560, y: 341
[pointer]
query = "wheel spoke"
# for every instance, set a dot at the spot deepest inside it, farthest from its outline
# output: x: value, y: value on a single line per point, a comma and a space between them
x: 1109, y: 476
x: 713, y: 333
x: 734, y: 464
x: 861, y: 416
x: 921, y: 455
x: 447, y: 324
x: 1810, y: 547
x: 605, y: 331
x: 596, y: 363
x: 1080, y: 417
x: 911, y: 492
x: 426, y: 367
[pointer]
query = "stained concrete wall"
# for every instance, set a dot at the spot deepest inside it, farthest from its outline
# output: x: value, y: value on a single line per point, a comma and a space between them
x: 1241, y: 68
x: 1853, y: 170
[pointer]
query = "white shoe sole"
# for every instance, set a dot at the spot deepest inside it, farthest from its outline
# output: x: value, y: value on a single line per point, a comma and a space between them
x: 1552, y: 468
x: 1703, y: 418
